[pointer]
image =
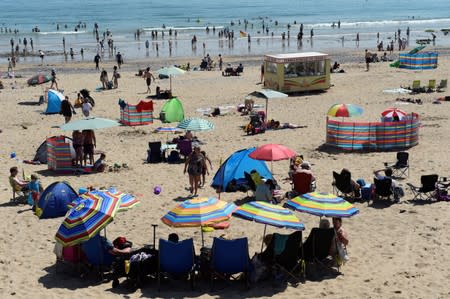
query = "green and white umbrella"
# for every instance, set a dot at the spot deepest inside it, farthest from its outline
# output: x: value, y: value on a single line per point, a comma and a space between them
x: 195, y: 125
x: 171, y: 71
x: 91, y: 123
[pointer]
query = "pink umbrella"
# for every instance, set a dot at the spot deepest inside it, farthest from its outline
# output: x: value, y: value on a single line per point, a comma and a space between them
x: 394, y: 113
x: 272, y: 152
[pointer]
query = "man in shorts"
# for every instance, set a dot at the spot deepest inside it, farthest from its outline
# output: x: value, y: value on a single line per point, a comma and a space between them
x: 148, y: 78
x: 89, y: 143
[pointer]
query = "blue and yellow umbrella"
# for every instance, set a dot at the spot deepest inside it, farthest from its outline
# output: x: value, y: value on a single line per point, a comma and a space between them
x: 323, y: 205
x: 86, y: 219
x: 126, y: 201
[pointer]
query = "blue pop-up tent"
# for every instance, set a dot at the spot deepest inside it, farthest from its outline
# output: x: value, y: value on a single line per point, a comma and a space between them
x: 234, y: 167
x: 55, y: 199
x: 54, y: 99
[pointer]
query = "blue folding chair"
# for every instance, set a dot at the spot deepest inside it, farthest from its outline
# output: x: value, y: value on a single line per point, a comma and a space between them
x: 229, y: 257
x: 97, y: 254
x: 177, y: 259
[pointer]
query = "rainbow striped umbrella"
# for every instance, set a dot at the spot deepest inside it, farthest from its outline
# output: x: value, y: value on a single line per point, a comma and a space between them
x: 86, y: 219
x: 345, y: 110
x: 198, y: 212
x: 126, y: 201
x: 268, y: 214
x: 322, y: 204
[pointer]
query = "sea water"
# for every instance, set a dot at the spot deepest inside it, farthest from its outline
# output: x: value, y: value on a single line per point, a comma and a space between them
x: 191, y: 17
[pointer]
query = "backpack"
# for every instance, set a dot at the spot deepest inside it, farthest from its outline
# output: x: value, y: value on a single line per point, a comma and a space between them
x: 174, y: 157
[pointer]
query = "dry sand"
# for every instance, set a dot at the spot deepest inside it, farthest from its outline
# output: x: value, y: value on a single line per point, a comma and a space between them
x: 396, y: 251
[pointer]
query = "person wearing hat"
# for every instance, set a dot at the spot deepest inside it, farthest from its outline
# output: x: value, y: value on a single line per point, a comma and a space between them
x: 305, y: 167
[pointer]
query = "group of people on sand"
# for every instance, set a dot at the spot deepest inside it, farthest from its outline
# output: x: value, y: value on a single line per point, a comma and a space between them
x: 114, y: 83
x: 84, y: 143
x: 196, y: 167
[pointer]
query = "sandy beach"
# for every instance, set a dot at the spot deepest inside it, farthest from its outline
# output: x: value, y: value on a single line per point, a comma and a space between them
x: 396, y: 251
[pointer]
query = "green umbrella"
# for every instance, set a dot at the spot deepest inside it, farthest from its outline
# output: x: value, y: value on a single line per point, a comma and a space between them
x: 171, y: 71
x: 195, y: 125
x: 91, y: 123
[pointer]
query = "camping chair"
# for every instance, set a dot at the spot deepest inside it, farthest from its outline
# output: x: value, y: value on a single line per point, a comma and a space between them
x: 154, y: 152
x: 229, y: 257
x: 316, y: 248
x: 18, y: 196
x: 176, y: 259
x: 428, y: 188
x: 301, y: 182
x: 185, y: 147
x: 96, y: 254
x: 288, y: 254
x: 383, y: 188
x: 342, y: 185
x: 442, y: 85
x: 416, y: 86
x: 431, y: 85
x: 402, y: 165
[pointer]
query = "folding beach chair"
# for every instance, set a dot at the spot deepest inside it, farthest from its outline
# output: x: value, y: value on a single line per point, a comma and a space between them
x: 185, y: 147
x: 400, y: 167
x: 342, y: 184
x: 383, y: 188
x: 301, y: 182
x: 288, y: 254
x: 442, y: 85
x: 250, y: 182
x: 97, y: 255
x: 154, y: 152
x: 416, y: 86
x: 428, y: 189
x: 431, y: 86
x: 316, y: 248
x: 228, y: 258
x: 176, y: 260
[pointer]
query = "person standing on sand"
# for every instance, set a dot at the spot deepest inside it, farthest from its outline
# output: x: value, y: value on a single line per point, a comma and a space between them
x: 41, y: 54
x: 54, y: 82
x: 97, y: 61
x: 119, y: 59
x: 368, y: 57
x: 262, y: 73
x: 89, y: 143
x: 148, y: 78
x: 115, y: 77
x: 67, y: 109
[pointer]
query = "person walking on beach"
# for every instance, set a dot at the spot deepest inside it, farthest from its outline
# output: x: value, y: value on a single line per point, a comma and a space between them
x: 67, y: 109
x: 10, y: 66
x: 368, y: 57
x: 97, y: 61
x: 119, y: 59
x: 41, y: 54
x: 148, y: 78
x: 262, y: 73
x: 312, y: 33
x: 357, y: 40
x: 31, y: 44
x: 115, y: 77
x: 220, y: 62
x: 54, y: 83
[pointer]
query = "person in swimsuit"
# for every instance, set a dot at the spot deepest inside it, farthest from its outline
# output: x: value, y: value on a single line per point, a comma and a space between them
x: 89, y: 143
x: 115, y: 77
x: 195, y: 163
x: 54, y: 83
x: 77, y: 143
x: 67, y: 109
x: 148, y: 78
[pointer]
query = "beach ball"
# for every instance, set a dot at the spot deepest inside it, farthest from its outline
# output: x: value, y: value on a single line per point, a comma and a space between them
x: 157, y: 190
x: 12, y: 155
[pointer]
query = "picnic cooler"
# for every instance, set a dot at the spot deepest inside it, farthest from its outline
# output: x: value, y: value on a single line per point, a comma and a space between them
x: 137, y: 115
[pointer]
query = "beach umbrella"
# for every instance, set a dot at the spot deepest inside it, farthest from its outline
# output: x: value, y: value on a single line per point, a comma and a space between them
x: 198, y: 212
x: 345, y: 110
x: 268, y: 94
x: 126, y: 201
x: 272, y: 152
x: 269, y: 214
x: 39, y: 79
x: 91, y: 123
x: 86, y: 219
x: 168, y: 130
x: 323, y: 205
x: 394, y: 113
x: 171, y: 71
x: 195, y: 125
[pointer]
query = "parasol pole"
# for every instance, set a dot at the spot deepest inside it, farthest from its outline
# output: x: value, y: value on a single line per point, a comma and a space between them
x: 203, y: 240
x: 170, y: 80
x: 154, y: 235
x: 264, y: 235
x: 267, y: 104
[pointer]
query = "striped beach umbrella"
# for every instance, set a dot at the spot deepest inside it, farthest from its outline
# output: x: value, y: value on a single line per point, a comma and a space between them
x: 39, y: 79
x: 198, y: 212
x: 394, y: 113
x: 195, y: 125
x: 323, y: 205
x: 345, y: 110
x: 269, y: 214
x: 126, y: 201
x: 86, y: 219
x: 168, y: 130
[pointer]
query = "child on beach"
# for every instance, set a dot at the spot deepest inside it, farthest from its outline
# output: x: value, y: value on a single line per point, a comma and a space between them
x: 36, y: 188
x: 86, y: 107
x: 204, y: 170
x: 100, y: 164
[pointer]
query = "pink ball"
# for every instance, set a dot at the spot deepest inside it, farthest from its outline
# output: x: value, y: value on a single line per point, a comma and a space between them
x: 157, y: 190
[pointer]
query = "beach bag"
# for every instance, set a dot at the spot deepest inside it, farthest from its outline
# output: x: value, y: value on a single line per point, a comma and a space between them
x: 174, y: 157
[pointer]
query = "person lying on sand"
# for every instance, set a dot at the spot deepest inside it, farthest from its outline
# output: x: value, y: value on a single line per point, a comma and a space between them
x: 276, y: 125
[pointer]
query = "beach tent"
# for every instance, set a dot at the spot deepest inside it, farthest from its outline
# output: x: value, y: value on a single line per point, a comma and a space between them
x: 54, y: 201
x: 235, y: 166
x: 41, y: 152
x: 54, y: 99
x: 172, y: 111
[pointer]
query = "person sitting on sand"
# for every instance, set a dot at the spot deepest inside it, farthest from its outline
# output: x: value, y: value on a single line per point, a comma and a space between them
x: 100, y: 164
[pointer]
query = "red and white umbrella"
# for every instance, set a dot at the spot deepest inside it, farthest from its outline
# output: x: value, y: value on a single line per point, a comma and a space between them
x: 394, y: 113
